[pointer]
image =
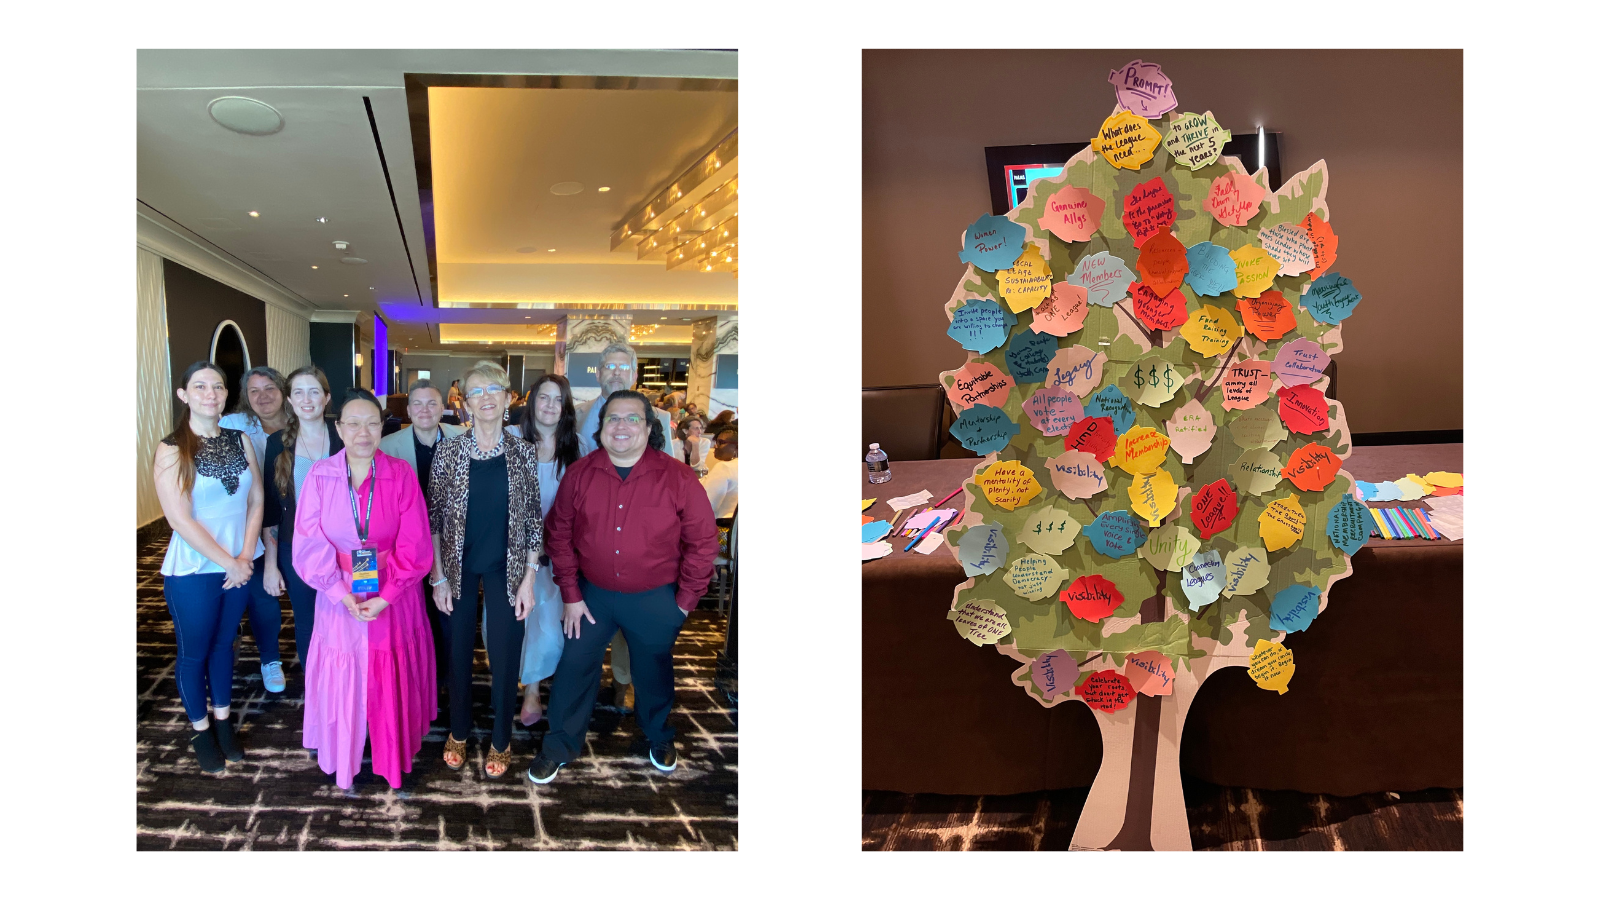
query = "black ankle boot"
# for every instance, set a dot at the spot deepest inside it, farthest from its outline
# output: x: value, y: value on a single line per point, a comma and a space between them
x: 226, y: 741
x: 205, y: 750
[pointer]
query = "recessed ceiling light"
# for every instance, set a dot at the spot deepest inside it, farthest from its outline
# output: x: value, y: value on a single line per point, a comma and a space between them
x: 371, y: 288
x: 245, y: 116
x: 688, y: 319
x: 313, y: 267
x: 527, y: 317
x: 254, y: 214
x: 347, y: 295
x: 321, y: 220
x: 566, y: 188
x: 552, y: 249
x: 663, y: 318
x: 353, y: 261
x: 603, y: 189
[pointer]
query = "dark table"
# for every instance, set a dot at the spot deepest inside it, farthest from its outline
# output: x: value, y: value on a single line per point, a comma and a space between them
x: 1376, y: 702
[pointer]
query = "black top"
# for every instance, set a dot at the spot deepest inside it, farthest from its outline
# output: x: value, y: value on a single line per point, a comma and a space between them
x: 622, y: 471
x: 488, y: 501
x: 279, y: 510
x: 425, y: 458
x: 220, y: 457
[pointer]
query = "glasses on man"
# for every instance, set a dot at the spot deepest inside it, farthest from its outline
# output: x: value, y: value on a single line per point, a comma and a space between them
x: 492, y: 390
x: 632, y: 419
x: 618, y: 367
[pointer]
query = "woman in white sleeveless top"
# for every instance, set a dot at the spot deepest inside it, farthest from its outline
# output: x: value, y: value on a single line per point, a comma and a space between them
x: 209, y: 485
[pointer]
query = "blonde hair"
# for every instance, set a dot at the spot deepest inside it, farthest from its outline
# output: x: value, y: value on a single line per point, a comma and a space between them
x: 486, y: 370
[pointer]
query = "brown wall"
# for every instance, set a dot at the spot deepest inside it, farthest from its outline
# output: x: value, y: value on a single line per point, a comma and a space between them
x: 196, y: 305
x: 1394, y: 194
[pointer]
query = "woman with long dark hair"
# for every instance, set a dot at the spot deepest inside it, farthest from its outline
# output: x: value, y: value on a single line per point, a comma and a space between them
x: 551, y: 425
x: 307, y: 438
x: 209, y: 486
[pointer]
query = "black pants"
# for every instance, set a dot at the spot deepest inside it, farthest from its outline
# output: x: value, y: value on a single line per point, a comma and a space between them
x: 503, y: 638
x: 302, y: 599
x: 650, y: 620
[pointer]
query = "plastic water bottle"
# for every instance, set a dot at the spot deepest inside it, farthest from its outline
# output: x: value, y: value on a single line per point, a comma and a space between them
x: 877, y: 465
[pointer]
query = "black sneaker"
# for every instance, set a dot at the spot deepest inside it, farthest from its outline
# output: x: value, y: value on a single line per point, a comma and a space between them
x: 543, y: 770
x: 205, y: 749
x: 226, y: 742
x: 664, y: 756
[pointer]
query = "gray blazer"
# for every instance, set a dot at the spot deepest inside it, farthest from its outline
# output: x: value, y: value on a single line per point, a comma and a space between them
x: 400, y: 445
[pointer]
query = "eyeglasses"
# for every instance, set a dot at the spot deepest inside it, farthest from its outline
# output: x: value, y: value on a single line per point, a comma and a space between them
x: 630, y: 418
x: 490, y: 389
x: 618, y: 367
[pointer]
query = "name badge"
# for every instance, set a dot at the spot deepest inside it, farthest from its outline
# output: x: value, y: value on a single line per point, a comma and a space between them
x: 364, y: 571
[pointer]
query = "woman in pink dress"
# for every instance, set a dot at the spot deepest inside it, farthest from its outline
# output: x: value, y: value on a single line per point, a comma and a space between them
x: 370, y: 668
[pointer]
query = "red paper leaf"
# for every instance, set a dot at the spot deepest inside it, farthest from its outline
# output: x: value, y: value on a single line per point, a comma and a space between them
x: 1106, y: 690
x: 1146, y: 208
x: 1096, y: 434
x: 1327, y: 244
x: 1312, y: 467
x: 1303, y: 409
x: 1092, y: 597
x: 1213, y: 508
x: 1268, y: 316
x: 1163, y: 262
x: 1159, y: 313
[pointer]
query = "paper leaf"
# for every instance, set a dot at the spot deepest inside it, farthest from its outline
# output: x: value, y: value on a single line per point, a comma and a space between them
x: 1115, y: 534
x: 1146, y: 209
x: 1300, y: 362
x: 1444, y: 479
x: 1152, y: 380
x: 1125, y: 140
x: 1234, y: 198
x: 1050, y: 530
x: 1158, y: 313
x: 1092, y: 597
x: 929, y: 543
x: 1268, y: 317
x: 1254, y: 268
x: 984, y: 429
x: 876, y: 549
x: 1211, y: 331
x: 874, y: 530
x: 1143, y: 89
x: 1106, y: 690
x: 982, y: 549
x: 1008, y: 484
x: 1140, y: 450
x: 980, y: 325
x: 1257, y: 471
x: 1213, y: 508
x: 1077, y: 474
x: 1072, y: 213
x: 1104, y: 276
x: 1096, y: 436
x: 1247, y: 383
x: 1076, y: 368
x: 1247, y: 571
x: 1326, y: 243
x: 980, y: 621
x: 1202, y: 578
x: 1196, y: 140
x: 867, y: 503
x: 1192, y: 429
x: 1291, y: 245
x: 1111, y: 401
x: 1027, y: 281
x: 1271, y: 666
x: 1312, y: 467
x: 1063, y: 312
x: 1170, y: 548
x: 1150, y: 673
x: 977, y: 382
x: 1349, y: 525
x: 1258, y: 428
x: 993, y: 243
x: 1330, y: 299
x: 1028, y: 356
x: 1163, y: 262
x: 1054, y: 672
x: 1153, y: 496
x: 1282, y: 523
x: 1409, y: 490
x: 1211, y: 270
x: 1303, y: 409
x: 1054, y: 410
x: 1035, y: 576
x: 1294, y: 607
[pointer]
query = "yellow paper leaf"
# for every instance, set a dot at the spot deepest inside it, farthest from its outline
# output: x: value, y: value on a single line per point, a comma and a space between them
x: 980, y: 621
x: 1035, y: 576
x: 1271, y: 666
x: 1153, y: 496
x: 1256, y: 269
x: 866, y: 503
x: 1282, y: 522
x: 1008, y: 484
x: 1140, y: 450
x: 1027, y: 281
x: 1444, y: 479
x: 1211, y: 330
x: 1426, y: 486
x: 1126, y: 141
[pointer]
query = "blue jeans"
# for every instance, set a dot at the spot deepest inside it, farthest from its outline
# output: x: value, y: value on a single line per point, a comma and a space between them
x: 205, y: 619
x: 264, y: 615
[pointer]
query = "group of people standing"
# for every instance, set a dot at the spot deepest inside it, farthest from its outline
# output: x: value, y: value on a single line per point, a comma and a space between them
x: 581, y: 526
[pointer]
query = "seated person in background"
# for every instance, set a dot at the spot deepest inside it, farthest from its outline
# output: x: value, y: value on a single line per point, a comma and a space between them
x: 722, y: 483
x: 722, y: 422
x: 696, y: 447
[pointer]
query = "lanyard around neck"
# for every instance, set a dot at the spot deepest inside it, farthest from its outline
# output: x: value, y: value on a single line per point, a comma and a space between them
x: 372, y: 475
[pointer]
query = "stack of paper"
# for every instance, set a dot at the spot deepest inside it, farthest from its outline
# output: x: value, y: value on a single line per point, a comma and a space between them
x: 1448, y: 515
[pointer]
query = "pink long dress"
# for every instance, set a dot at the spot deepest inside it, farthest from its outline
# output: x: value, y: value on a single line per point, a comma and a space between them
x: 366, y: 679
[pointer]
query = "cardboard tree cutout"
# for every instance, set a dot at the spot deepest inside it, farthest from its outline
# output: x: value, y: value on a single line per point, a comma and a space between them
x: 1203, y: 531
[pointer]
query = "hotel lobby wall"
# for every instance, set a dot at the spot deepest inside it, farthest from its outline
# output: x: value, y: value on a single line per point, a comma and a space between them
x: 1395, y: 192
x: 196, y: 305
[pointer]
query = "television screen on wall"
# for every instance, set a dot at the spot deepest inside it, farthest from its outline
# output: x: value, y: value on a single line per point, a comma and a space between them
x: 727, y: 371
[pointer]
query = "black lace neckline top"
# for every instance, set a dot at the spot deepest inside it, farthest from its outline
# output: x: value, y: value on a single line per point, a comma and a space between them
x: 221, y: 457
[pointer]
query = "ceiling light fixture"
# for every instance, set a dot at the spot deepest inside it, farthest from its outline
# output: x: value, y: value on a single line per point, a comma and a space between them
x: 254, y: 214
x: 245, y: 116
x: 552, y: 249
x: 313, y: 267
x: 602, y: 189
x: 566, y: 188
x: 321, y: 220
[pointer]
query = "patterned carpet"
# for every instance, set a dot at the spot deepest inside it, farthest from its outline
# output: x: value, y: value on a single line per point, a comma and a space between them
x: 278, y: 799
x: 1219, y: 819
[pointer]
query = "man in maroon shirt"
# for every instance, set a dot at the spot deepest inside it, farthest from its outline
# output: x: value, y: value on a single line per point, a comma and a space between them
x: 632, y: 541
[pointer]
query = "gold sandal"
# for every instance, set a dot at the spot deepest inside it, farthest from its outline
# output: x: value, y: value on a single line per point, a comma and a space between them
x: 503, y: 757
x: 459, y: 748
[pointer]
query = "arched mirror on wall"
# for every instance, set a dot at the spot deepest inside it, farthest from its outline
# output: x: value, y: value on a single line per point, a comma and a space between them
x: 229, y: 351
